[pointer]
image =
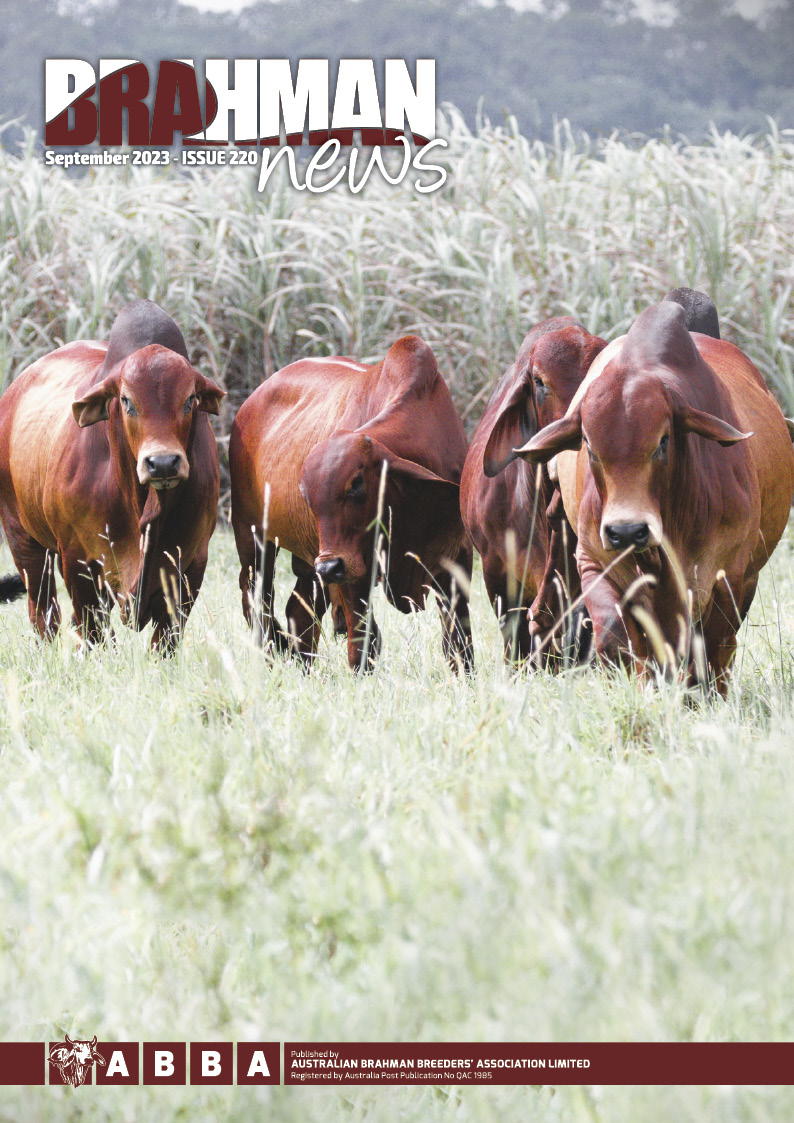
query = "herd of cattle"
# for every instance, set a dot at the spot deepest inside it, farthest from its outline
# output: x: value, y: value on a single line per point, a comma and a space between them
x: 623, y: 497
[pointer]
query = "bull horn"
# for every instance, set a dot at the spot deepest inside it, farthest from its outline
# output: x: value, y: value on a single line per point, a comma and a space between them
x: 93, y: 1042
x: 68, y: 1039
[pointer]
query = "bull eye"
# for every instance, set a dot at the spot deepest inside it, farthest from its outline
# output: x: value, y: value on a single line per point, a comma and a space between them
x: 541, y: 390
x: 661, y: 451
x: 356, y: 492
x: 129, y: 408
x: 590, y: 453
x: 188, y: 406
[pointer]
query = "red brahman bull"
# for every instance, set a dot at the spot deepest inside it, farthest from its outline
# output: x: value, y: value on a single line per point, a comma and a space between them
x: 512, y: 512
x: 307, y: 456
x: 679, y: 493
x: 109, y: 465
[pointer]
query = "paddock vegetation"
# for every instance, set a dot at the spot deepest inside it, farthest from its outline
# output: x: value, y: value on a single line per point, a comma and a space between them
x: 212, y: 848
x: 215, y: 848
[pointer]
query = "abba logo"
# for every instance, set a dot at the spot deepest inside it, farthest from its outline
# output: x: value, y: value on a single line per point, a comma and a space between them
x: 75, y: 1059
x: 162, y: 1062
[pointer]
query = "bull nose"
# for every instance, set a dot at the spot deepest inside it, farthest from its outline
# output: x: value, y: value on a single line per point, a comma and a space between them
x: 164, y: 466
x: 330, y: 571
x: 621, y: 536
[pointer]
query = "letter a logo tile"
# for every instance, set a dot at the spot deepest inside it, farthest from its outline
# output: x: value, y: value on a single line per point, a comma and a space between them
x: 122, y: 1062
x: 258, y: 1062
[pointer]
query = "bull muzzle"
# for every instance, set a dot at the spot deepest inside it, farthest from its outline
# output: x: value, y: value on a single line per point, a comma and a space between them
x: 331, y: 571
x: 163, y: 470
x: 624, y: 536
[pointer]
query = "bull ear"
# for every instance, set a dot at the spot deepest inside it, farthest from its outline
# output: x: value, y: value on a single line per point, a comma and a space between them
x: 557, y: 437
x: 209, y: 394
x: 516, y: 422
x: 93, y: 406
x: 711, y: 427
x: 408, y: 469
x: 399, y: 467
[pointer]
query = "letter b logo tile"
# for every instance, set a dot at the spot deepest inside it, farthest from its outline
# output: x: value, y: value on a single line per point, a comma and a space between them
x: 164, y: 1062
x: 211, y: 1062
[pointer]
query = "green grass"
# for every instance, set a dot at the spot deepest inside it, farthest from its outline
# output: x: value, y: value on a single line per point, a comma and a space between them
x: 214, y: 848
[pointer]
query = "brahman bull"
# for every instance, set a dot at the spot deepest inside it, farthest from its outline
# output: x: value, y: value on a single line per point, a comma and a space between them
x: 327, y: 455
x: 108, y: 463
x: 513, y: 514
x: 511, y: 510
x: 679, y: 493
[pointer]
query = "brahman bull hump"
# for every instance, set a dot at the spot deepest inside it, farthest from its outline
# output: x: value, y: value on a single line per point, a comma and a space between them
x: 139, y: 325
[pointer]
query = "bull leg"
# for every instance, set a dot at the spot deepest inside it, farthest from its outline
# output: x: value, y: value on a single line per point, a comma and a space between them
x: 38, y: 572
x: 559, y: 586
x: 171, y: 603
x: 453, y: 606
x: 305, y: 610
x: 162, y: 611
x: 616, y: 638
x: 363, y: 644
x: 728, y: 604
x: 90, y: 597
x: 337, y: 611
x: 36, y: 566
x: 750, y: 585
x: 257, y: 573
x: 545, y: 608
x: 511, y: 614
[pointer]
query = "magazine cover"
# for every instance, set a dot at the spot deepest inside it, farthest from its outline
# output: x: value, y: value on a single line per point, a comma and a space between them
x: 396, y: 596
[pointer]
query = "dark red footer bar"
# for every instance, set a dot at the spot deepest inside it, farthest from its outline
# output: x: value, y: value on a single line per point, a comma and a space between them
x: 398, y: 1064
x: 471, y: 1064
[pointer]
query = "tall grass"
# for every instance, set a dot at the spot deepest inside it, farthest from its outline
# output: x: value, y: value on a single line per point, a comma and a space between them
x: 522, y: 231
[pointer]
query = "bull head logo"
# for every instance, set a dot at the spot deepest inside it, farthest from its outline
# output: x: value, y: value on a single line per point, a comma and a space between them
x: 74, y: 1059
